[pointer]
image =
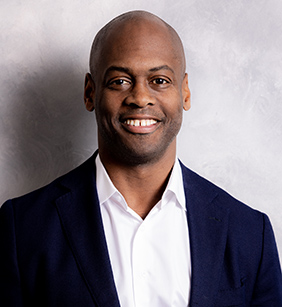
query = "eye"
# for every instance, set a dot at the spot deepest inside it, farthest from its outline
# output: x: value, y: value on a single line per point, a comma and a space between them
x: 118, y: 83
x: 160, y: 81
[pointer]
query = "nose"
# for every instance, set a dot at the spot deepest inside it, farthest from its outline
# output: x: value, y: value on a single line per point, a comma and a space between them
x: 140, y: 96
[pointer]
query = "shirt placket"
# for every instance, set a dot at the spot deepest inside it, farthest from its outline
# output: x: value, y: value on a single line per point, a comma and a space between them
x: 140, y: 273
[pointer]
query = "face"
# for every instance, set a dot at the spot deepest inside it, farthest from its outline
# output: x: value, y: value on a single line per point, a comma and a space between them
x: 138, y: 92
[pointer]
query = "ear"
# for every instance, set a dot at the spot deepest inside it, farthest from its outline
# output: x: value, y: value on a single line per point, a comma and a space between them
x: 89, y: 90
x: 186, y: 94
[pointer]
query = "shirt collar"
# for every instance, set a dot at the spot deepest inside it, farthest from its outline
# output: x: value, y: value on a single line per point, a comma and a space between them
x: 106, y: 188
x: 175, y: 185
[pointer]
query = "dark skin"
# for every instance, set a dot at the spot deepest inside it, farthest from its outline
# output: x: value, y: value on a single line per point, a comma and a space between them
x: 138, y: 90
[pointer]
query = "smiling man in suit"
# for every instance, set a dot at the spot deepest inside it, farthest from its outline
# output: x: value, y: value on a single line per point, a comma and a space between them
x: 132, y: 226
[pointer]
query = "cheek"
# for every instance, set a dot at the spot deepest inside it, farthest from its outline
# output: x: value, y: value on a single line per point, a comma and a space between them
x: 105, y: 106
x: 174, y: 108
x: 107, y: 115
x: 175, y: 114
x: 112, y: 100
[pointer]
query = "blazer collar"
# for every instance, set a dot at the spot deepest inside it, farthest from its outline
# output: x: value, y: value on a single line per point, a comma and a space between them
x: 81, y: 219
x: 207, y: 223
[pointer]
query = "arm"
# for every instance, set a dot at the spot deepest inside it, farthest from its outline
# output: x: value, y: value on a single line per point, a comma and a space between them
x: 10, y: 284
x: 268, y: 287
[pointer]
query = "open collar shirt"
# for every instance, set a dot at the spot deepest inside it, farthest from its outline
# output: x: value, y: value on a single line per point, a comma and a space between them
x: 150, y: 258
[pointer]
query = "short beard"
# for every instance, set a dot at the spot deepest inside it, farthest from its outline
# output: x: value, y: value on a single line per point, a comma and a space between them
x: 129, y: 157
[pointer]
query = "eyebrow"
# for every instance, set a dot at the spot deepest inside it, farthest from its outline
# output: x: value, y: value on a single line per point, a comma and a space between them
x: 117, y: 68
x: 129, y: 71
x: 162, y: 67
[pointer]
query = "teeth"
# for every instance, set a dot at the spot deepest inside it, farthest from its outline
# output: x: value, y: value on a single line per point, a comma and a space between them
x: 140, y: 122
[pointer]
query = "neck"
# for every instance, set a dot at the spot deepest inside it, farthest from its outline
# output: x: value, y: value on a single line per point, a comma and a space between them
x: 142, y: 186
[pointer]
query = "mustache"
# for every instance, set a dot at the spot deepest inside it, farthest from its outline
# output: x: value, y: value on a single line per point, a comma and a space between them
x: 141, y: 114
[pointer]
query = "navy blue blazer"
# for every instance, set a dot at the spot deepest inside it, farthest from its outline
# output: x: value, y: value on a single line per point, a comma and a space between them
x: 54, y: 252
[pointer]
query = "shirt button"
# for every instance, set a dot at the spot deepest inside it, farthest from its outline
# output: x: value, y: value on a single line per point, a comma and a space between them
x: 144, y: 274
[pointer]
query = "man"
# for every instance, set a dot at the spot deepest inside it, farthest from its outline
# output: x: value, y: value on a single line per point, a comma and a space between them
x: 133, y: 226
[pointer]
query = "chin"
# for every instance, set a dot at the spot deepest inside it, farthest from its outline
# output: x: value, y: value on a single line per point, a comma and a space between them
x: 140, y: 150
x: 142, y: 156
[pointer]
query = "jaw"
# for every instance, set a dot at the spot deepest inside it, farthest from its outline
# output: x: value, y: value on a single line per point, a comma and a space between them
x: 131, y: 147
x: 136, y: 139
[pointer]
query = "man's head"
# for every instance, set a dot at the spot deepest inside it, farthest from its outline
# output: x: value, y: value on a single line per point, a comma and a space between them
x: 137, y: 87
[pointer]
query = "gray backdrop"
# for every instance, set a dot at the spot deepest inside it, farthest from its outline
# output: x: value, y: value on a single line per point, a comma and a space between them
x: 232, y: 135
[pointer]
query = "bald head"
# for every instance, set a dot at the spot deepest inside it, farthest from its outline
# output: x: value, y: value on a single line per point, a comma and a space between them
x: 131, y: 24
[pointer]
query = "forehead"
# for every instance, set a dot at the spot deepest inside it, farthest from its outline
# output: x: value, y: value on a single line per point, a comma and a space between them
x: 140, y: 43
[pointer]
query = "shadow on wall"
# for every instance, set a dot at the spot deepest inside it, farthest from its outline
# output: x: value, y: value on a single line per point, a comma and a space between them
x: 50, y: 132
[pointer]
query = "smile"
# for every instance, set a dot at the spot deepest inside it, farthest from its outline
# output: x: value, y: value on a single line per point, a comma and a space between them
x: 140, y: 122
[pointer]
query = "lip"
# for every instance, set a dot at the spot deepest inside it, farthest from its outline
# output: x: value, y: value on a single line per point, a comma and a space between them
x: 139, y: 116
x: 139, y: 129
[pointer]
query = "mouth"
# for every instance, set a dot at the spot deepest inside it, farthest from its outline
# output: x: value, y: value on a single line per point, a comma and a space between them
x: 140, y: 125
x: 140, y: 122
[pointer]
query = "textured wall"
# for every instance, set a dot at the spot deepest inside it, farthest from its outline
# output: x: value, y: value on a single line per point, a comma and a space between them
x: 232, y: 135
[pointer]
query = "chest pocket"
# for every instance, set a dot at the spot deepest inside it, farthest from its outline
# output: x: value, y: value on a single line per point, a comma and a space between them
x: 231, y: 297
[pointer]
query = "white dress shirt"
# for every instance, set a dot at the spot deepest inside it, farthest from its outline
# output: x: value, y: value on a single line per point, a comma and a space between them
x: 150, y: 258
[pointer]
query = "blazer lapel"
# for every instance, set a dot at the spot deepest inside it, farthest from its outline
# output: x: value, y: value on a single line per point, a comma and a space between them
x: 80, y: 215
x: 208, y: 224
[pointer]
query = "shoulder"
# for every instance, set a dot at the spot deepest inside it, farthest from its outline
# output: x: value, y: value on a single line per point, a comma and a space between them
x: 50, y: 192
x: 203, y: 189
x: 248, y: 231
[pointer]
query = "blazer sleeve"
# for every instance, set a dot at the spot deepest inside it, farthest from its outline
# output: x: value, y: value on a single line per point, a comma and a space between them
x: 10, y: 284
x: 268, y: 286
